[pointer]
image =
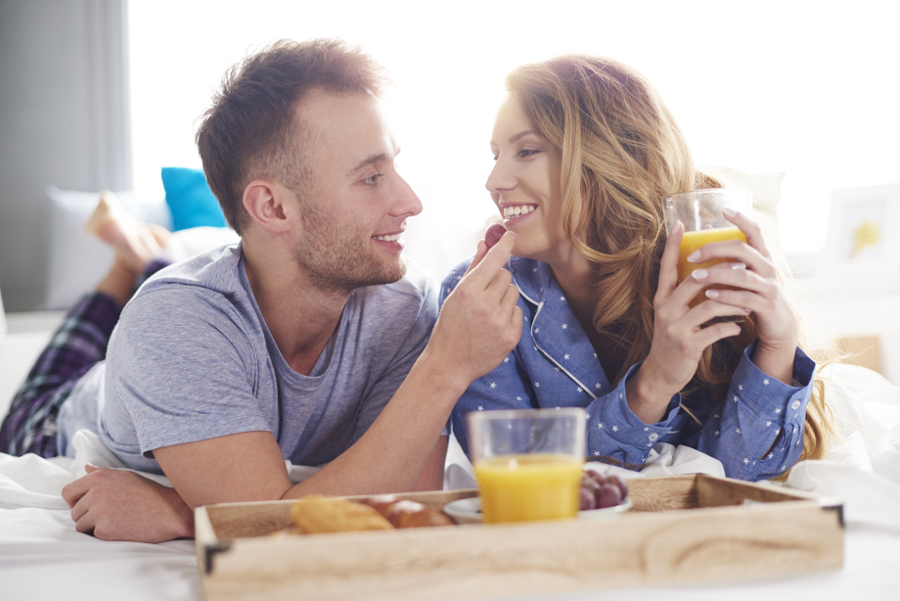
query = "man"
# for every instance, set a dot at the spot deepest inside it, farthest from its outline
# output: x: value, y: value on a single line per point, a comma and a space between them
x: 308, y: 341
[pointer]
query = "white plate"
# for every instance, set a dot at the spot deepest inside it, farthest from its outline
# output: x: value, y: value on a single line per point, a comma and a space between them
x: 468, y: 511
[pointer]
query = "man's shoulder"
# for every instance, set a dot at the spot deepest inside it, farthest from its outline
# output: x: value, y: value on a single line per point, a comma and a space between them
x: 216, y: 269
x: 206, y: 284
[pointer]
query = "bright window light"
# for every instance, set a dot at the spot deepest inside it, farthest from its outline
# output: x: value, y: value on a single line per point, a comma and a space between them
x: 807, y: 88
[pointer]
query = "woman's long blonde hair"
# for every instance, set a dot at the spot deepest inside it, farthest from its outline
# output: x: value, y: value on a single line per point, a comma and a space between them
x: 622, y: 155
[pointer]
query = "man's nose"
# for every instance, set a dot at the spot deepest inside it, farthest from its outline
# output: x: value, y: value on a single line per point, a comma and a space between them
x: 407, y: 202
x: 499, y: 180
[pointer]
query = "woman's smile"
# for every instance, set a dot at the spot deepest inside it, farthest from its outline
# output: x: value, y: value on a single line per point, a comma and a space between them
x: 517, y: 212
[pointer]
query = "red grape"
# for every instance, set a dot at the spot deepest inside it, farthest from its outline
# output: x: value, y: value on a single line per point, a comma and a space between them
x: 620, y: 483
x: 608, y: 496
x: 493, y: 234
x: 599, y: 491
x: 587, y: 500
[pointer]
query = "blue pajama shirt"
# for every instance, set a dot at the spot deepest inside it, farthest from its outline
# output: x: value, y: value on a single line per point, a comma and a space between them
x: 554, y: 366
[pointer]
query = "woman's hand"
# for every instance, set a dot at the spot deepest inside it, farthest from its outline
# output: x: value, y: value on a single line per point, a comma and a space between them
x: 679, y: 336
x: 759, y: 291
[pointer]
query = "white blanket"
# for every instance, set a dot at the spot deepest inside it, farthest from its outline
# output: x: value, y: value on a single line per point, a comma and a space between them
x: 43, y: 557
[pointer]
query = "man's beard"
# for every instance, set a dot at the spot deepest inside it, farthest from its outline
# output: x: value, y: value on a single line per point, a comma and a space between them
x: 339, y: 258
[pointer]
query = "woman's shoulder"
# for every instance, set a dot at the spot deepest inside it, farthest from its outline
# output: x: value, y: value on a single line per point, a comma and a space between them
x: 454, y: 276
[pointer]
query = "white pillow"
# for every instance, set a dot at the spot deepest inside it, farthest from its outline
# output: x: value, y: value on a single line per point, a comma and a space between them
x: 77, y: 260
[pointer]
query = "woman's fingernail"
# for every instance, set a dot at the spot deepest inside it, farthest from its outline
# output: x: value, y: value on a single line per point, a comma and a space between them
x: 739, y: 265
x: 700, y: 274
x: 691, y: 258
x: 712, y: 294
x: 729, y: 212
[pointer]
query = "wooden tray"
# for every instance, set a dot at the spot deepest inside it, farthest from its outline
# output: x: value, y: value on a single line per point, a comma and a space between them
x: 682, y: 529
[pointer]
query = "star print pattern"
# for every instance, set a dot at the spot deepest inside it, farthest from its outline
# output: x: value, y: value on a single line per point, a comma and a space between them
x: 533, y: 376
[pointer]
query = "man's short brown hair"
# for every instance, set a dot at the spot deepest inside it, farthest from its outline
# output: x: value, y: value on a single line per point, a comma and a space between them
x: 250, y: 131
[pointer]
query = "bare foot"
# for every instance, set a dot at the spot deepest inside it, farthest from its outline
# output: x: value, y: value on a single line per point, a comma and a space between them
x: 134, y: 242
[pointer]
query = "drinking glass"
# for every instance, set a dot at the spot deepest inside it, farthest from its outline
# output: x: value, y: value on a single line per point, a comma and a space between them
x: 528, y: 462
x: 701, y: 213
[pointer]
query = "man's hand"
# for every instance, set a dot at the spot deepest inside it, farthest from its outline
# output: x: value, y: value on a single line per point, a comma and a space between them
x: 479, y: 323
x: 121, y: 505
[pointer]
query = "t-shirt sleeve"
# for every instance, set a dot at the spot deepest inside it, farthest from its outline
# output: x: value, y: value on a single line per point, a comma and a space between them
x: 180, y: 369
x: 423, y: 319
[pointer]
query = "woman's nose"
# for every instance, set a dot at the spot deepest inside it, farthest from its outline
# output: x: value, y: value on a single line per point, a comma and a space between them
x: 499, y: 179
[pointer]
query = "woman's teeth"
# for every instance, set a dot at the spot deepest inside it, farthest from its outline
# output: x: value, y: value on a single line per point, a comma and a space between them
x: 391, y: 238
x: 517, y: 211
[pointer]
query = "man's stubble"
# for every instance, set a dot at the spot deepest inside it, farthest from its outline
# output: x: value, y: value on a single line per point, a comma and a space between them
x: 337, y: 256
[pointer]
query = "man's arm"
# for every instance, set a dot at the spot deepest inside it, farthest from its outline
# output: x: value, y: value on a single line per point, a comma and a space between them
x: 479, y: 325
x: 432, y: 477
x: 157, y: 513
x: 121, y: 505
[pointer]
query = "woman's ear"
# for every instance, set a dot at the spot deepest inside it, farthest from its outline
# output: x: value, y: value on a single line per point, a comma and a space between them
x: 265, y: 202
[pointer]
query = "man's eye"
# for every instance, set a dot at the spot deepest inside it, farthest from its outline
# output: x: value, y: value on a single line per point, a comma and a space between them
x: 373, y: 180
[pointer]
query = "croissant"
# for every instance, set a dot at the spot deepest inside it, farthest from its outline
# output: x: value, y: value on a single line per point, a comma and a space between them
x: 406, y: 514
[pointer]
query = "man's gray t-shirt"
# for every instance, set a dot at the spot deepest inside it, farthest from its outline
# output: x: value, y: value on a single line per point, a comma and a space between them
x: 192, y: 359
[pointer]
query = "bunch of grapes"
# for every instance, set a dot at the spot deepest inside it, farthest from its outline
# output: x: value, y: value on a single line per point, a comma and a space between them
x: 599, y: 491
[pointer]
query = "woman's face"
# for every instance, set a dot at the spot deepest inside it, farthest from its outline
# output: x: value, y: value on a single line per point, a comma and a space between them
x: 525, y: 185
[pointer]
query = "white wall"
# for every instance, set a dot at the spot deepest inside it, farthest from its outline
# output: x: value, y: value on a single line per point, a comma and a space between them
x: 63, y: 121
x: 806, y: 87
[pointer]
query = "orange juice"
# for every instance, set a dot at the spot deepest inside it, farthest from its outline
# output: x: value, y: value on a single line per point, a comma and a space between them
x: 694, y: 240
x: 520, y: 488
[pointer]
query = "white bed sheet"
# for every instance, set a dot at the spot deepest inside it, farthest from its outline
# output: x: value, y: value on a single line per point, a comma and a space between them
x: 43, y: 557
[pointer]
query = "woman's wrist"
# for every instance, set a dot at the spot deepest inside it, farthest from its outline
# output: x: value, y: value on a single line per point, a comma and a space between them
x: 776, y: 361
x: 645, y: 397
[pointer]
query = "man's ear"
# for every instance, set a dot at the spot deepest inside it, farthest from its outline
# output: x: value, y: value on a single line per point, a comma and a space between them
x: 265, y: 202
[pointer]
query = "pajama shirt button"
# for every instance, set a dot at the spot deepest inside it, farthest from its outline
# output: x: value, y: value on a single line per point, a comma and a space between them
x: 795, y: 404
x: 653, y: 436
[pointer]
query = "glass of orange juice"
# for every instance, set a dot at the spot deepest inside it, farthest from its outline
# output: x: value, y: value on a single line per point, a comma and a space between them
x: 528, y: 462
x: 701, y: 213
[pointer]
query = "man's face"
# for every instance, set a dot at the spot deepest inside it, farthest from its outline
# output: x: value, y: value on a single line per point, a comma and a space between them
x: 356, y: 204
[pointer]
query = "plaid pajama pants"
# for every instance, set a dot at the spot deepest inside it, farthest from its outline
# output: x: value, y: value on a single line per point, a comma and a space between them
x: 30, y: 426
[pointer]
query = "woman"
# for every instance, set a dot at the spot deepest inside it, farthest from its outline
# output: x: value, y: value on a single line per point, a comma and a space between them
x: 585, y: 154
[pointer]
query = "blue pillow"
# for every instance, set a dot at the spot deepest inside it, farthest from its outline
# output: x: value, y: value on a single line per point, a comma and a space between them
x: 190, y: 200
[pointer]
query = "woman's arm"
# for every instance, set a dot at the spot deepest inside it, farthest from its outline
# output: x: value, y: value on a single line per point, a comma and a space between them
x: 757, y: 431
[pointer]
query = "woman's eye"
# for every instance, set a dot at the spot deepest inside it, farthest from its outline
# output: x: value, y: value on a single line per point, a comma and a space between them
x: 527, y: 152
